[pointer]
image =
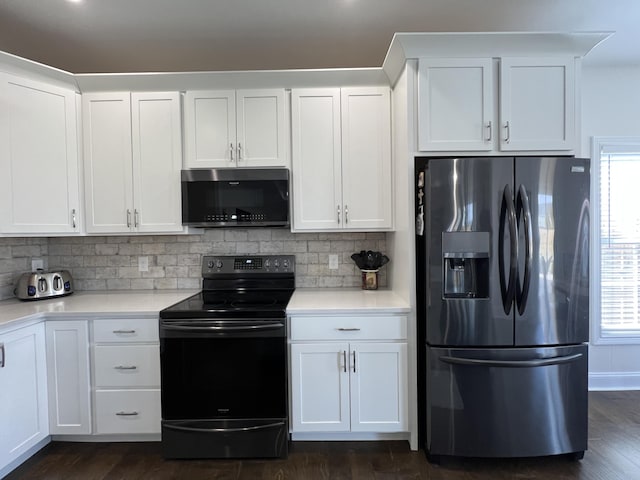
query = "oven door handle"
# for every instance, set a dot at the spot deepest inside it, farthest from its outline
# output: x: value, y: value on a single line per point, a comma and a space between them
x: 225, y: 430
x: 223, y: 328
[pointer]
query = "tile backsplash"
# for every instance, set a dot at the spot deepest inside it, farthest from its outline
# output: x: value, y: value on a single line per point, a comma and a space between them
x: 174, y: 262
x: 15, y: 258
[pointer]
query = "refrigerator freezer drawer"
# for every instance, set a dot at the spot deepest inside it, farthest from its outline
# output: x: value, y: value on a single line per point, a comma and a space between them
x: 508, y: 402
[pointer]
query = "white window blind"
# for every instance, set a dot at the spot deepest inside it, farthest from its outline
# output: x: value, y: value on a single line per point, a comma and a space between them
x: 619, y: 239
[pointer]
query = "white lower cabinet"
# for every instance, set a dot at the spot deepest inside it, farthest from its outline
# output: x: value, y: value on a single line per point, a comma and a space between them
x: 127, y: 411
x: 68, y: 376
x: 126, y: 373
x: 23, y: 392
x: 355, y: 385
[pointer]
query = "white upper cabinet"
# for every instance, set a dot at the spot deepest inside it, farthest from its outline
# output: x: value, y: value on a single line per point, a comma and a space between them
x: 341, y: 159
x: 366, y: 158
x: 39, y: 189
x: 133, y: 157
x: 455, y: 104
x: 537, y: 104
x: 316, y: 158
x: 235, y: 128
x: 157, y: 161
x: 464, y: 108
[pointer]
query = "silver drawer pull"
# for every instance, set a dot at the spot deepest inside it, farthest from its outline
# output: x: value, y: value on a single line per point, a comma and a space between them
x: 348, y: 329
x: 125, y: 367
x: 126, y: 414
x: 117, y: 332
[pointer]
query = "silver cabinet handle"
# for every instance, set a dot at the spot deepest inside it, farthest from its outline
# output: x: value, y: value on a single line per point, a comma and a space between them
x: 73, y: 218
x: 127, y: 414
x: 231, y: 151
x: 354, y: 361
x: 135, y: 217
x: 125, y: 367
x: 346, y: 214
x: 344, y: 357
x: 489, y: 131
x: 239, y: 151
x: 2, y: 353
x: 338, y: 207
x: 342, y: 329
x: 507, y: 130
x: 123, y: 331
x: 128, y: 218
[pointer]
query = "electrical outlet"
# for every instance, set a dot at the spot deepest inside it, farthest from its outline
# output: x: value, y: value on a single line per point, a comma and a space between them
x: 333, y: 262
x: 37, y: 263
x: 143, y: 264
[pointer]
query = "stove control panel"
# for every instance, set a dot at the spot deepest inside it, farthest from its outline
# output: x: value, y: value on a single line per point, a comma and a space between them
x: 248, y: 264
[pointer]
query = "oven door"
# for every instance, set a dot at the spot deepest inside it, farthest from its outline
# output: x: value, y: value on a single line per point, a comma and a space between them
x: 223, y: 369
x: 224, y: 388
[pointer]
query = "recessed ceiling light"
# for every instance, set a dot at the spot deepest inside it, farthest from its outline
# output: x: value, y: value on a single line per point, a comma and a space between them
x: 75, y: 1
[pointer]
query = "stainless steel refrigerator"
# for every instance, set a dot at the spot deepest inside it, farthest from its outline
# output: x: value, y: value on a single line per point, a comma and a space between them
x: 504, y: 301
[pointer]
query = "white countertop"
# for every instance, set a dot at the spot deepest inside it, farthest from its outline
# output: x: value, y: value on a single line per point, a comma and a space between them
x: 149, y: 302
x: 91, y: 303
x: 345, y: 301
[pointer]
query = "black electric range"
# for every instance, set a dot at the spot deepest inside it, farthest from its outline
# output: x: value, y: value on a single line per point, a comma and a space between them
x: 223, y: 356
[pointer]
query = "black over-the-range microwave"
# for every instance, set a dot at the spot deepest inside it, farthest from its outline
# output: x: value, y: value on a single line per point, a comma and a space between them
x: 243, y: 197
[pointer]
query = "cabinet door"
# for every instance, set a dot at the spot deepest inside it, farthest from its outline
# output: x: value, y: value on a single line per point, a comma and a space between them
x: 38, y: 158
x: 210, y: 129
x: 366, y: 158
x: 261, y: 129
x: 107, y: 160
x: 157, y: 160
x: 537, y: 104
x: 319, y: 387
x: 68, y: 377
x: 23, y: 392
x: 378, y: 387
x: 316, y: 159
x: 455, y: 104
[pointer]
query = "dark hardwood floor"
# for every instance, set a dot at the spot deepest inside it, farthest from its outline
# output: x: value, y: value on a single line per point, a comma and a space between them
x: 614, y: 454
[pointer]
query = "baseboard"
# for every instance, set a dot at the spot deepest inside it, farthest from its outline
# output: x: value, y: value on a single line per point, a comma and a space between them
x: 609, y: 381
x: 6, y: 469
x: 347, y: 436
x: 139, y: 437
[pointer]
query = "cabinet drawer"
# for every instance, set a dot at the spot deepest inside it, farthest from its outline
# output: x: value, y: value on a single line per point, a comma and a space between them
x: 127, y: 365
x: 356, y: 327
x: 127, y: 411
x: 125, y: 330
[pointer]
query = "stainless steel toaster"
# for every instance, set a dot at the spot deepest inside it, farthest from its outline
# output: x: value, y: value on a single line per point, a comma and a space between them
x: 40, y: 285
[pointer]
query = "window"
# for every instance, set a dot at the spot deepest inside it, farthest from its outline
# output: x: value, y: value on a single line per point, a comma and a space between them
x: 616, y: 254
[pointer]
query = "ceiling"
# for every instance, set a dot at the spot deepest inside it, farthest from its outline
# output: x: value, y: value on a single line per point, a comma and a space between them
x: 217, y: 35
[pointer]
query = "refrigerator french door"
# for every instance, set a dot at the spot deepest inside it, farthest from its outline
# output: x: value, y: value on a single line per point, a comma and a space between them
x: 506, y: 301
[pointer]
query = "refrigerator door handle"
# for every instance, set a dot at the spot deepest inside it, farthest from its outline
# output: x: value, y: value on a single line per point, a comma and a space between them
x: 542, y: 362
x: 522, y: 205
x: 507, y: 288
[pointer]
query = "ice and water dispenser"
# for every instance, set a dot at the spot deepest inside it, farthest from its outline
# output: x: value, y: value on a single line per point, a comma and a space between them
x: 465, y: 258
